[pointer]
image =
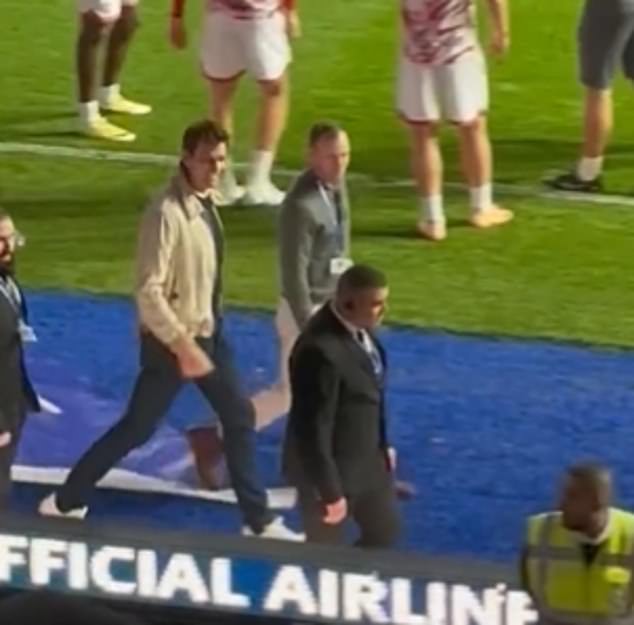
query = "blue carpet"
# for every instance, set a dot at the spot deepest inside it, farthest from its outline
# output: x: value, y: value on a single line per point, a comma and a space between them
x: 484, y: 427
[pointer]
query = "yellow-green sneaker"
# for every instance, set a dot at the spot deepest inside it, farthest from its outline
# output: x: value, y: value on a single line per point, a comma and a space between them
x: 100, y: 128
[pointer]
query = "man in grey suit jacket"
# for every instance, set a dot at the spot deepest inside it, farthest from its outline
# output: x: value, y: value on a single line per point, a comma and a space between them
x: 314, y: 250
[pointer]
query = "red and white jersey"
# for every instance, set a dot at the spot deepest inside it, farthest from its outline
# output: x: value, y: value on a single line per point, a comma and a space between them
x: 245, y: 9
x: 438, y: 32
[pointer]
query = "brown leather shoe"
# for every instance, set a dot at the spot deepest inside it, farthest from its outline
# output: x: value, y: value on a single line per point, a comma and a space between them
x: 208, y: 450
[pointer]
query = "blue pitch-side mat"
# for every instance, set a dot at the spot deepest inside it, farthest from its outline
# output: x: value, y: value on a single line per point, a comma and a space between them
x: 484, y: 427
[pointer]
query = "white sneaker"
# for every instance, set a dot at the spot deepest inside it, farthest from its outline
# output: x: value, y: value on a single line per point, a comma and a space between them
x: 264, y: 193
x: 276, y: 530
x: 229, y: 192
x: 48, y: 507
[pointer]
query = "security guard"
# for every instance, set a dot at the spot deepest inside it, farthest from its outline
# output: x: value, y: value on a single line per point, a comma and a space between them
x: 577, y: 563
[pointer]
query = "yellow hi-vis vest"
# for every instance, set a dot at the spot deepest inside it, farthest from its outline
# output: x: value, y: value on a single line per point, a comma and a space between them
x: 568, y: 590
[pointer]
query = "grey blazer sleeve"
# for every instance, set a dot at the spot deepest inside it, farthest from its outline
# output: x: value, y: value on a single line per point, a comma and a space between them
x: 296, y: 235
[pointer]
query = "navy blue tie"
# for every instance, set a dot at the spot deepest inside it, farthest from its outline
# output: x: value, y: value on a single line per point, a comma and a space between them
x: 370, y: 349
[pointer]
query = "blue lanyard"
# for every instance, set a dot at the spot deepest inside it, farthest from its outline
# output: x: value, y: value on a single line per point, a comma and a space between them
x: 12, y: 294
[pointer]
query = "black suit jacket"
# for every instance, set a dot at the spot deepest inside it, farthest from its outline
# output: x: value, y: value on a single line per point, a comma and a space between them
x: 336, y: 439
x: 16, y: 391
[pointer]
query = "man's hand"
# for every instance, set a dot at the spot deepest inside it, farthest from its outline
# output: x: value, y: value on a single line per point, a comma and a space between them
x: 5, y: 439
x: 178, y: 33
x: 500, y: 42
x: 293, y: 24
x: 336, y: 512
x: 192, y: 360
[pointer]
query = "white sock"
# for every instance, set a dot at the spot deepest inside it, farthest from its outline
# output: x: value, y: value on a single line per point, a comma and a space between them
x: 106, y: 94
x: 261, y: 166
x: 589, y: 168
x: 88, y: 111
x: 431, y: 209
x: 228, y: 181
x: 481, y: 198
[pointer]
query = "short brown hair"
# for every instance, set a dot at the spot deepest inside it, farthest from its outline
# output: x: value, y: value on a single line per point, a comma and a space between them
x: 360, y: 278
x: 205, y: 131
x: 323, y: 130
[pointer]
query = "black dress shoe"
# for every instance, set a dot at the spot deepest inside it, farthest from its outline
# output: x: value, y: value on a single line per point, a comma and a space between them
x: 571, y: 182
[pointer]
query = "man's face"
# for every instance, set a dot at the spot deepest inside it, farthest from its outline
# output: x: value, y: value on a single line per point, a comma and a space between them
x: 583, y: 510
x: 9, y: 240
x: 369, y: 308
x: 205, y: 164
x: 330, y: 158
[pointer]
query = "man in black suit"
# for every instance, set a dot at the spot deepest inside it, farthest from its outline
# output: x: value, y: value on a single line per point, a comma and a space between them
x: 16, y: 392
x: 336, y: 450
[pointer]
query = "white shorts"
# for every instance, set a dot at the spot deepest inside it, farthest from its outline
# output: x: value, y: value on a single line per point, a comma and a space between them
x: 231, y: 46
x: 107, y: 10
x: 456, y: 92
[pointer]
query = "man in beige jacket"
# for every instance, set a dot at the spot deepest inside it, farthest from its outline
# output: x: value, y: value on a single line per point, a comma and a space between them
x: 179, y: 300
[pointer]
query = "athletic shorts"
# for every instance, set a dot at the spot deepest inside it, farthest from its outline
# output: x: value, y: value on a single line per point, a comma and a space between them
x: 230, y: 46
x: 606, y: 40
x: 107, y: 10
x: 456, y: 92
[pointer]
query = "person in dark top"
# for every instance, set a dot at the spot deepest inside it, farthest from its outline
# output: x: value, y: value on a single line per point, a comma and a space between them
x: 17, y: 395
x: 605, y: 42
x: 336, y: 449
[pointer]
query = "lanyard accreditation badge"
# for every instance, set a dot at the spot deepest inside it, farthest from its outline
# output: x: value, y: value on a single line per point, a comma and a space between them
x: 12, y: 295
x: 339, y: 264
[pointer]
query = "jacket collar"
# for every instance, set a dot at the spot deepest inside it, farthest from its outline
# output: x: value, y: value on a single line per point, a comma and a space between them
x: 188, y: 198
x: 352, y: 329
x: 347, y: 331
x: 318, y: 183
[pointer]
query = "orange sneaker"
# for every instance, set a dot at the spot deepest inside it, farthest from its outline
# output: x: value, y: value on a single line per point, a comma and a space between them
x: 432, y: 230
x: 493, y: 216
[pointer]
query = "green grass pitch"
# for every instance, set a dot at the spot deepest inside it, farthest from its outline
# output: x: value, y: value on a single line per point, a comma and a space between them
x: 561, y: 270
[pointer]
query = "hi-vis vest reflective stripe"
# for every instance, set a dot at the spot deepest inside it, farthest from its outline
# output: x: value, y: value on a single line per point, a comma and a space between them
x: 569, y: 591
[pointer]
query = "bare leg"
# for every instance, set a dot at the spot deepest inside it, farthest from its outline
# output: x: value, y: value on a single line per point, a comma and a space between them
x: 118, y: 44
x: 427, y: 171
x: 427, y: 165
x: 475, y: 153
x: 221, y: 98
x: 271, y: 122
x: 598, y: 121
x: 477, y: 163
x: 91, y: 34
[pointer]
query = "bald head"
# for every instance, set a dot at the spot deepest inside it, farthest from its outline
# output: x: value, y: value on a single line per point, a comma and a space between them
x: 586, y: 498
